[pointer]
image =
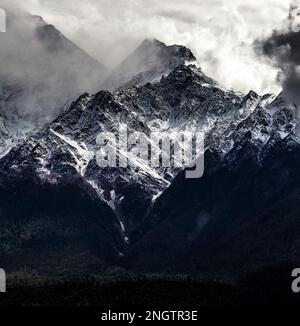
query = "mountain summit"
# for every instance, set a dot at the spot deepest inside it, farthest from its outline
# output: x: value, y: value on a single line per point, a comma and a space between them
x: 149, y: 62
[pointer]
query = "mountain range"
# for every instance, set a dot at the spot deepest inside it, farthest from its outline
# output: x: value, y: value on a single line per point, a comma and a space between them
x: 61, y: 214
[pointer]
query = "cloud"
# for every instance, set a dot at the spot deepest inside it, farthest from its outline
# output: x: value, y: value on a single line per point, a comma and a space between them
x: 41, y: 71
x: 220, y: 32
x: 283, y: 49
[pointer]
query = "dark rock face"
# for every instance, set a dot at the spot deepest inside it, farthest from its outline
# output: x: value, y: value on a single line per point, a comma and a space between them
x: 242, y: 215
x: 229, y: 222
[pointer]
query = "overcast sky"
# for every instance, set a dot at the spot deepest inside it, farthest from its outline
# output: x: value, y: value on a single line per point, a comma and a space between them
x: 220, y: 32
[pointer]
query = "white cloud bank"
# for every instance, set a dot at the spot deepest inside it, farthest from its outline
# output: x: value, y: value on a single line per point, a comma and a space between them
x: 220, y: 32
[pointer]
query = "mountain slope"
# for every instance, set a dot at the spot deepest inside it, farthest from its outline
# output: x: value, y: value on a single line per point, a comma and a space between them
x: 242, y: 216
x: 60, y: 229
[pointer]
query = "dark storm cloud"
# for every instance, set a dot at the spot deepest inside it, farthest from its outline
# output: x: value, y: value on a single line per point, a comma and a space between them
x: 283, y: 49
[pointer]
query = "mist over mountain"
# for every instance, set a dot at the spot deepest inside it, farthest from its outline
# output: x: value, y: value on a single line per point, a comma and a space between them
x: 149, y: 62
x: 220, y: 33
x: 41, y: 72
x: 43, y: 69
